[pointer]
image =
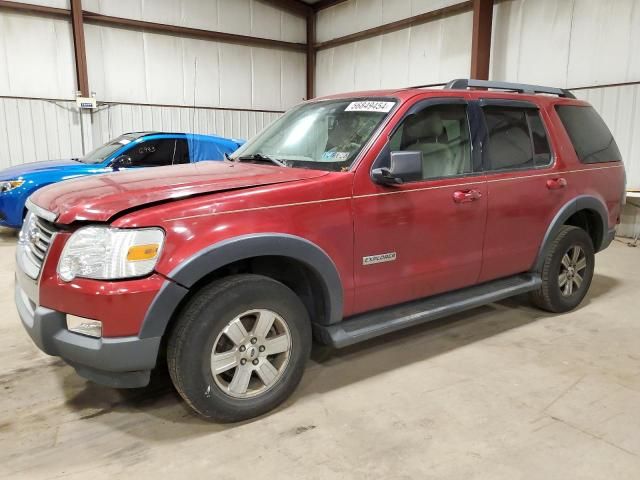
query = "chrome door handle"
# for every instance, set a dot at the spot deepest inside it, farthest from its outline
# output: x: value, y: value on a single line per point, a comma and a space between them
x: 465, y: 196
x: 556, y: 183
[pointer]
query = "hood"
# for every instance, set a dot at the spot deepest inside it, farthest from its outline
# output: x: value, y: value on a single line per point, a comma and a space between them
x: 100, y: 197
x: 50, y: 167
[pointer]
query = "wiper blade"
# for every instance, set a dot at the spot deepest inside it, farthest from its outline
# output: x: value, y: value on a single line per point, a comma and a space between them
x: 259, y: 157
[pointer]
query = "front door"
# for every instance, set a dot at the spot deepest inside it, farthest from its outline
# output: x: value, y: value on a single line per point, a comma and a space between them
x: 422, y: 237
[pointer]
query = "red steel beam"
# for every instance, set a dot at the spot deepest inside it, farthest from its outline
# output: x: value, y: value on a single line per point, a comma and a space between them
x: 481, y: 39
x: 311, y: 56
x: 80, y: 51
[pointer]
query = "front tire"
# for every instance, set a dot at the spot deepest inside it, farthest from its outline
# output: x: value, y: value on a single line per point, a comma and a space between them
x: 239, y: 347
x: 567, y: 271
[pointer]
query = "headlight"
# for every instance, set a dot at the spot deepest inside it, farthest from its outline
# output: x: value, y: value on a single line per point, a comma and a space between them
x: 104, y: 253
x: 10, y: 185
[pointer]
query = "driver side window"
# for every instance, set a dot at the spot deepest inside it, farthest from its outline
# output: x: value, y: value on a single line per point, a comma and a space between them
x: 441, y: 134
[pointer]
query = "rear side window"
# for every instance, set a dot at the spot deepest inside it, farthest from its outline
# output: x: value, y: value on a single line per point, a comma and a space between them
x: 591, y: 138
x: 517, y: 139
x: 158, y: 153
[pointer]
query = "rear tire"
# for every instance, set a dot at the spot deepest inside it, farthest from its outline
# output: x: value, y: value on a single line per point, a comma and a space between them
x: 239, y: 347
x: 567, y: 271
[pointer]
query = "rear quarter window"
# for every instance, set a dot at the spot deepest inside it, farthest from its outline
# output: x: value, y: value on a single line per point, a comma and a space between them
x: 591, y: 138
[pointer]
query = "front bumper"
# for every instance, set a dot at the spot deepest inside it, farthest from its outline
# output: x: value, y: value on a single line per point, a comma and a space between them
x: 121, y: 362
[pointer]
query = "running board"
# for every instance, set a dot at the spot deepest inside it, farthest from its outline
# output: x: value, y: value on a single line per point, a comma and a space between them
x: 379, y: 322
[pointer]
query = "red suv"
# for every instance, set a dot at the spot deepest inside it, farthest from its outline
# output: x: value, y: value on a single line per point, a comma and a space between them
x: 351, y: 216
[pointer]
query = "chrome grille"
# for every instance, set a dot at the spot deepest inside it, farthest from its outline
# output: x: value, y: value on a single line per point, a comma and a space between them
x: 35, y: 239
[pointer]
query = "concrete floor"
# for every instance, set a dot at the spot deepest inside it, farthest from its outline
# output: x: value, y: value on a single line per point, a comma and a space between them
x: 501, y: 392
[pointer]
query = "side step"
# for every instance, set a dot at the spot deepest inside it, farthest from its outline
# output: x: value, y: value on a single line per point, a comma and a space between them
x: 379, y: 322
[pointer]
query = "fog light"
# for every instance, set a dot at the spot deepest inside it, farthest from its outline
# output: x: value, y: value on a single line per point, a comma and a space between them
x: 84, y: 326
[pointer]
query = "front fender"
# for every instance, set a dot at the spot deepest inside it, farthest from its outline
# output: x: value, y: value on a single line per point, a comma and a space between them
x: 201, y: 264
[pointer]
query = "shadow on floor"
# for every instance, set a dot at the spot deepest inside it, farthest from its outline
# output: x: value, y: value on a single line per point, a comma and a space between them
x: 329, y: 369
x: 8, y: 235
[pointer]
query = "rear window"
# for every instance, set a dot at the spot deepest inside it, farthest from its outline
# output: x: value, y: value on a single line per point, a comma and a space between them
x: 591, y: 138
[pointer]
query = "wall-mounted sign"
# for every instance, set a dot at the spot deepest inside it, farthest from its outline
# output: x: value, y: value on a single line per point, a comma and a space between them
x: 85, y: 102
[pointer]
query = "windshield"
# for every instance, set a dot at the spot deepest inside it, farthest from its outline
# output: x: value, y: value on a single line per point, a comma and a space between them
x: 324, y: 135
x: 101, y: 153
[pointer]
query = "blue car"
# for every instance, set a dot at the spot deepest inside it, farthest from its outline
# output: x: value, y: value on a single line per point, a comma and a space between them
x: 131, y: 150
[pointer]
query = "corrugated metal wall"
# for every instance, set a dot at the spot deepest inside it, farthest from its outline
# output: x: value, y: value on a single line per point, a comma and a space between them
x: 357, y: 15
x: 111, y: 120
x: 430, y: 53
x: 129, y: 66
x: 136, y: 67
x: 33, y: 130
x: 36, y: 55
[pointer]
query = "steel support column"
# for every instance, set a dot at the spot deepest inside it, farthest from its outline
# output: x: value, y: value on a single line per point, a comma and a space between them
x: 311, y: 55
x: 481, y: 43
x: 77, y: 22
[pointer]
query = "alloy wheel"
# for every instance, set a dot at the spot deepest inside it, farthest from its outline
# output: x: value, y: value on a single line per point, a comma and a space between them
x: 251, y: 353
x: 572, y: 267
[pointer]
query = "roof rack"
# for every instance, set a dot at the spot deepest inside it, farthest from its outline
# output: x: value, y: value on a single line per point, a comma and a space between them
x: 463, y: 84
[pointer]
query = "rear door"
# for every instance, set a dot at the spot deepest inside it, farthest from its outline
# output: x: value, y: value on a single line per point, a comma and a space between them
x: 425, y: 236
x: 525, y: 183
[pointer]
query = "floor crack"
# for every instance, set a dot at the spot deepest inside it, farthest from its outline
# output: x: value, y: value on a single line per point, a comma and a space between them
x: 593, y: 435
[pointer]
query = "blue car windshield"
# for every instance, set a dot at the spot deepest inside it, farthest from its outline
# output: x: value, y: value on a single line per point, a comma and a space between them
x: 101, y: 153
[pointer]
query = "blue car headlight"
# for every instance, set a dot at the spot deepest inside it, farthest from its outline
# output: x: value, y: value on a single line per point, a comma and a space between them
x: 9, y: 185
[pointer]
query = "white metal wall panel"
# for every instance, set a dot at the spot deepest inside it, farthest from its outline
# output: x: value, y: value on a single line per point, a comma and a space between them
x: 570, y: 43
x: 36, y: 55
x: 136, y: 67
x: 604, y: 45
x: 33, y: 130
x: 246, y: 17
x: 47, y: 3
x: 109, y: 121
x: 434, y: 52
x: 357, y: 15
x: 531, y: 41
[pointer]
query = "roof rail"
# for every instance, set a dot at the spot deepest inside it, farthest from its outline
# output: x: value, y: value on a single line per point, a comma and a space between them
x: 463, y: 84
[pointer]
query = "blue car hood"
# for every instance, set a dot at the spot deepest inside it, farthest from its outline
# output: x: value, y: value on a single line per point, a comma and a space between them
x: 49, y: 167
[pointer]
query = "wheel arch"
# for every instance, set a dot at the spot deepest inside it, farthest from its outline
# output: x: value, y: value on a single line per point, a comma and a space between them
x: 587, y: 212
x: 307, y: 267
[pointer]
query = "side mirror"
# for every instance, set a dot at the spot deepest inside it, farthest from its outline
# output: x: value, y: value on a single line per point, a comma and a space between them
x: 123, y: 161
x: 403, y: 167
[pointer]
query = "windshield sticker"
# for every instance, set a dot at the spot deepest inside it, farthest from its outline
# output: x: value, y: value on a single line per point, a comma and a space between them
x: 370, y: 106
x: 335, y: 156
x: 124, y: 141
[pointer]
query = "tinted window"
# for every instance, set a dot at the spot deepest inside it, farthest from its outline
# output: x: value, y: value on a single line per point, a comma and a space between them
x: 441, y: 134
x: 517, y: 139
x: 157, y: 153
x: 182, y: 152
x: 590, y: 136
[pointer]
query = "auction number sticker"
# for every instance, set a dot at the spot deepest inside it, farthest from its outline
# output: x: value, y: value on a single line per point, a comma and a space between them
x: 370, y: 106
